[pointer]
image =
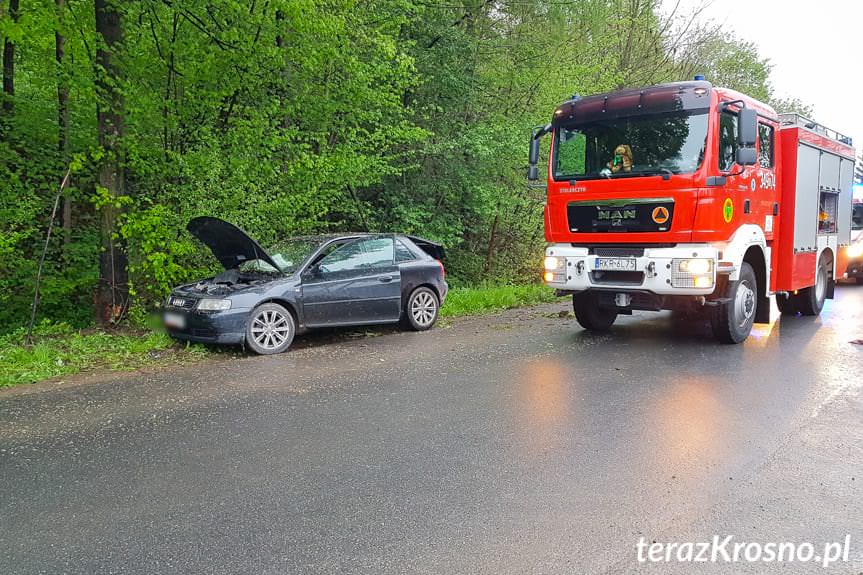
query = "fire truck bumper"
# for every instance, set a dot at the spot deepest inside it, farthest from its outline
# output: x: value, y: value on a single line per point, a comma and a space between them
x: 681, y: 270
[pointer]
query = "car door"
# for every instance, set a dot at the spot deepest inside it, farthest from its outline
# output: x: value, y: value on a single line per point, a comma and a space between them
x: 355, y: 284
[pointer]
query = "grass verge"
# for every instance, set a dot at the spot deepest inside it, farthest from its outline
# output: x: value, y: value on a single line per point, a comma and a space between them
x: 60, y: 350
x: 488, y: 299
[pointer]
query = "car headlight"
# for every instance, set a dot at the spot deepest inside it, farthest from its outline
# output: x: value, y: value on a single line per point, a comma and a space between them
x: 552, y: 263
x: 855, y: 250
x: 209, y: 304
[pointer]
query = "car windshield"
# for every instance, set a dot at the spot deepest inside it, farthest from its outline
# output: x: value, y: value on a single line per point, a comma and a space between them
x: 631, y: 146
x: 288, y: 255
x: 857, y: 217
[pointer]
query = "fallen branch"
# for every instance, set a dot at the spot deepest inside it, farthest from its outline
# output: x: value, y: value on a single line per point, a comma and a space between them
x: 28, y: 342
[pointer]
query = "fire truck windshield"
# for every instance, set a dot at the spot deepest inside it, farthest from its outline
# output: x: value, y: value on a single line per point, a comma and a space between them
x: 631, y: 146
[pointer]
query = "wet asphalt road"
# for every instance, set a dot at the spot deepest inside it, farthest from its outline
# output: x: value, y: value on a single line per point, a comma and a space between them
x: 507, y: 444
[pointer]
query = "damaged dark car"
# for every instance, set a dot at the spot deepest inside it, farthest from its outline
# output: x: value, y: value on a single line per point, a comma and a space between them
x: 264, y: 297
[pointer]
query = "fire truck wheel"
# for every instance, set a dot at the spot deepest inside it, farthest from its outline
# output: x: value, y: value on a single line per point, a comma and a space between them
x: 732, y: 321
x: 811, y: 299
x: 588, y: 313
x: 786, y: 304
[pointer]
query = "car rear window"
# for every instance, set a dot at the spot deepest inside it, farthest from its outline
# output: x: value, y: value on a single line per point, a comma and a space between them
x: 403, y: 253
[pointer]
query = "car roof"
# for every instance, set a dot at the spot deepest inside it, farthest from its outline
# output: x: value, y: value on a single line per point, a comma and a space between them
x: 348, y: 235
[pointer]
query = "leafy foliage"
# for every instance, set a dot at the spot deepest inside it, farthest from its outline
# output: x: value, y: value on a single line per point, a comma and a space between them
x: 301, y: 116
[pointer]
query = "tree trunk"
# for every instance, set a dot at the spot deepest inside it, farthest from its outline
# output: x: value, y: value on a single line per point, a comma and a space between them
x: 9, y: 66
x: 63, y: 110
x: 489, y: 254
x: 112, y: 295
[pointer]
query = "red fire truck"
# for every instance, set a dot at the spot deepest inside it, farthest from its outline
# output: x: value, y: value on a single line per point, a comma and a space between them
x: 691, y: 197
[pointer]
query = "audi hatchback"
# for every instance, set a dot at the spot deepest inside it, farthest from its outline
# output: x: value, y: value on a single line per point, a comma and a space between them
x: 265, y: 296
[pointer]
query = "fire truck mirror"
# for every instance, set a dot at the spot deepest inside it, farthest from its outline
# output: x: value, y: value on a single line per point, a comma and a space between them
x: 746, y: 157
x: 748, y: 130
x: 534, y: 151
x: 533, y: 173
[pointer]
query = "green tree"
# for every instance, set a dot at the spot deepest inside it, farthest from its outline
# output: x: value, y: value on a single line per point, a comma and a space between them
x: 301, y: 116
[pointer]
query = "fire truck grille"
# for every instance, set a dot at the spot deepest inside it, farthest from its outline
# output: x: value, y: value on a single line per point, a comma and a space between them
x: 617, y: 278
x: 617, y: 252
x: 621, y: 216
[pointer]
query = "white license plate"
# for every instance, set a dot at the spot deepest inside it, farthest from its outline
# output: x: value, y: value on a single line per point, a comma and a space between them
x: 615, y: 264
x: 174, y: 320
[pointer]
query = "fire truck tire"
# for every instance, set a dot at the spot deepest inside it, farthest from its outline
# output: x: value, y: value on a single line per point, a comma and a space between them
x: 588, y: 313
x: 811, y: 300
x: 786, y: 304
x: 732, y: 321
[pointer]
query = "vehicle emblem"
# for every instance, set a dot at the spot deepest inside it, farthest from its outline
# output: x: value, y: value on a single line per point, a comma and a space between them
x: 728, y: 210
x: 607, y: 214
x: 179, y: 302
x: 660, y: 214
x: 752, y: 184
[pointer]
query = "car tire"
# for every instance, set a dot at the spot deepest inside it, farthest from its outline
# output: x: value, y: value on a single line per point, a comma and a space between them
x: 589, y: 315
x: 421, y: 309
x: 732, y: 320
x: 810, y: 301
x: 270, y: 329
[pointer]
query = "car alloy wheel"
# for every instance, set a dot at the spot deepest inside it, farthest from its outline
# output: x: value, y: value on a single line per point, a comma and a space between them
x: 271, y: 329
x: 424, y: 308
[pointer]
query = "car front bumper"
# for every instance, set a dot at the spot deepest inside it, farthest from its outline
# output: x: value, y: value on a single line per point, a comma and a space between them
x: 228, y: 327
x: 654, y: 270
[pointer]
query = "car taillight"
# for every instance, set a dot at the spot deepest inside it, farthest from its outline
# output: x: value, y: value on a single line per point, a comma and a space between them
x: 442, y: 269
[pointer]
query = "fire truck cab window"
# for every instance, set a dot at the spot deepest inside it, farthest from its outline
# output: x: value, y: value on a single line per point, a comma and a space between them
x: 727, y: 140
x: 765, y: 146
x: 857, y: 217
x: 635, y: 145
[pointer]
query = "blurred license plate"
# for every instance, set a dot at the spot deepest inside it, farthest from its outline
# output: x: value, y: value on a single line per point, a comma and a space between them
x: 174, y: 320
x: 616, y: 264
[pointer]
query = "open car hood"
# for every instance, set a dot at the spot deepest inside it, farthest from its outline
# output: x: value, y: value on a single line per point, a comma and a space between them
x: 231, y: 245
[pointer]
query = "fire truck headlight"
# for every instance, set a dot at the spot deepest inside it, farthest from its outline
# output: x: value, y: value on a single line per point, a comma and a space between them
x: 692, y: 273
x: 855, y: 250
x: 703, y: 281
x: 552, y: 263
x: 696, y: 266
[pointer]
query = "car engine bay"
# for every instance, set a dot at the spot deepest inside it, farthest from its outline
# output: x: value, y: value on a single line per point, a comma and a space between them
x: 228, y: 282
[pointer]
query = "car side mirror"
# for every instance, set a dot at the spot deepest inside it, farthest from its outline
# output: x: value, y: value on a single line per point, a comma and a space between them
x: 747, y: 131
x: 746, y: 157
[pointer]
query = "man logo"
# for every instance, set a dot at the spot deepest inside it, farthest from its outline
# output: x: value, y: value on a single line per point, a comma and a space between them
x: 624, y: 214
x: 660, y: 214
